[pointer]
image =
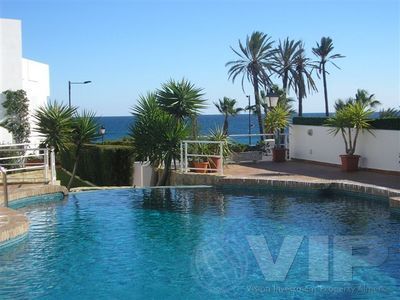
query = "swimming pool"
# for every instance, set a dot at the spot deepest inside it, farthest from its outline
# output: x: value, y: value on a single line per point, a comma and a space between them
x: 196, y: 243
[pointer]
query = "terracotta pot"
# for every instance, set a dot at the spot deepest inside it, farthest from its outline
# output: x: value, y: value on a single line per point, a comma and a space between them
x: 215, y: 163
x: 279, y: 155
x: 201, y: 165
x: 349, y: 162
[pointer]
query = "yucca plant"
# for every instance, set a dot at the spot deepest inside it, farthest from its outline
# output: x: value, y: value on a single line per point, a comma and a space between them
x: 84, y: 130
x: 217, y: 134
x: 276, y: 121
x: 54, y: 123
x: 181, y: 98
x: 157, y: 134
x: 349, y: 121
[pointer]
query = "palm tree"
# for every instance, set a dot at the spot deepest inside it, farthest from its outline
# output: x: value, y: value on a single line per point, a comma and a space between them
x: 302, y: 79
x: 84, y: 130
x: 362, y: 96
x: 366, y: 98
x: 323, y: 51
x: 284, y: 57
x: 227, y: 108
x: 157, y: 134
x: 54, y: 123
x: 389, y: 113
x: 255, y: 64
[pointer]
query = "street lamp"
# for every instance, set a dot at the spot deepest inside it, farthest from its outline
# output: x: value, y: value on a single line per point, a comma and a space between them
x: 272, y: 98
x: 102, y: 131
x: 69, y: 89
x: 248, y: 97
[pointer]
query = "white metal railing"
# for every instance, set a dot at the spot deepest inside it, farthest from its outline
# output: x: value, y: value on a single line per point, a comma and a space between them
x: 185, y: 155
x: 18, y: 163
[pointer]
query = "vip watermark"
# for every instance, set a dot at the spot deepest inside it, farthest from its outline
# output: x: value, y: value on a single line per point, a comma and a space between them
x: 222, y: 265
x: 349, y: 252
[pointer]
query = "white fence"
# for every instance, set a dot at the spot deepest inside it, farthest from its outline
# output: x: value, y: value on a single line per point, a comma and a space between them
x: 15, y: 158
x: 378, y: 151
x: 186, y: 155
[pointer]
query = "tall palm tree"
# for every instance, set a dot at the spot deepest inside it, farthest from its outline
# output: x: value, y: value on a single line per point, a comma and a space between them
x: 84, y: 130
x: 255, y: 63
x: 323, y: 52
x: 284, y: 60
x: 54, y: 123
x: 302, y: 78
x: 226, y: 106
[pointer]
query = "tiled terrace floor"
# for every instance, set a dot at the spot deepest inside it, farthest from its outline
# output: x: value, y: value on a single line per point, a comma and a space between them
x: 309, y: 171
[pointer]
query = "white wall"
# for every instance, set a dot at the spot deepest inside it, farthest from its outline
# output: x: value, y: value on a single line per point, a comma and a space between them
x: 35, y: 82
x: 379, y: 151
x: 10, y: 64
x: 20, y: 73
x: 10, y: 55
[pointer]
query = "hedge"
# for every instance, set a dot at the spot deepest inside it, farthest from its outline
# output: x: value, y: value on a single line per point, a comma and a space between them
x: 313, y: 121
x: 103, y: 165
x: 388, y: 124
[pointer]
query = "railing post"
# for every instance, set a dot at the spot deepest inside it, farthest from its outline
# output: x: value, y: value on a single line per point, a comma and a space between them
x: 5, y: 187
x: 53, y: 165
x: 186, y: 158
x: 181, y: 160
x: 221, y: 154
x: 46, y: 165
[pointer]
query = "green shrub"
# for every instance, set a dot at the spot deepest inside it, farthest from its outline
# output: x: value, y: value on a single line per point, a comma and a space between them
x: 388, y: 124
x: 102, y: 165
x: 312, y: 121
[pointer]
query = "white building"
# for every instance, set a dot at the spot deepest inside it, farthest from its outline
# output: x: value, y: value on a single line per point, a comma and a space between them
x: 17, y: 73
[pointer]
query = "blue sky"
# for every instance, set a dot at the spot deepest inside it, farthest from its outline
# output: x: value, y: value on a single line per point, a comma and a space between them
x: 130, y: 47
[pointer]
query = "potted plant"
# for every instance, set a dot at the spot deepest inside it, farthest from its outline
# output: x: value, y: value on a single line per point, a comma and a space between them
x: 201, y: 164
x: 218, y: 135
x: 276, y: 122
x: 349, y: 121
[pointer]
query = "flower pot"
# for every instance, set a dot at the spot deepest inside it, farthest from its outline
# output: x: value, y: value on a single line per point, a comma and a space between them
x: 215, y: 163
x: 201, y: 165
x: 349, y: 162
x: 279, y: 155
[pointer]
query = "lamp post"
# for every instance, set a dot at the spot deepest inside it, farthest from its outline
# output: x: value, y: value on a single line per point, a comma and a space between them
x: 248, y: 97
x: 102, y: 131
x: 69, y: 89
x: 273, y: 98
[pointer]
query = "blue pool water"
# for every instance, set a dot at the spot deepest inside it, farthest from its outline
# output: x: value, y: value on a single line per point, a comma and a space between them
x: 195, y: 244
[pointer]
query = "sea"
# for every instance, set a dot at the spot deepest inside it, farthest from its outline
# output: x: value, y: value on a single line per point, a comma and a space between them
x: 118, y: 127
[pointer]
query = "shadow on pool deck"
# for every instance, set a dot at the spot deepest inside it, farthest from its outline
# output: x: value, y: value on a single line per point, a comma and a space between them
x: 304, y: 170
